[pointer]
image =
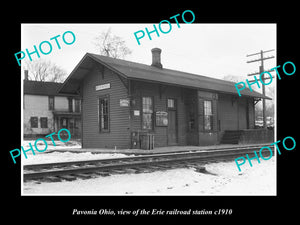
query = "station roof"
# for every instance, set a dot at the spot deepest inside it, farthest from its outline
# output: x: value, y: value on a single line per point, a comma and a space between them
x: 139, y: 71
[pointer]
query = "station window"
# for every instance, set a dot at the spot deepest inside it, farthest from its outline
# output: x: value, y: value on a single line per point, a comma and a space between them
x: 147, y: 119
x: 171, y: 103
x: 208, y: 116
x: 104, y: 114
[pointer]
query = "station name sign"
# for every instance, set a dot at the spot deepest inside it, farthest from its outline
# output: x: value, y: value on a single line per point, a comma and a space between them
x: 102, y: 87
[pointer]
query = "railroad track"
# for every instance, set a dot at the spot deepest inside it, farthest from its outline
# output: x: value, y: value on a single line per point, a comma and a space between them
x: 136, y: 164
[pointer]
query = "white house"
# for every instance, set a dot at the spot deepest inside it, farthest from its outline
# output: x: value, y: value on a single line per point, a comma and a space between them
x: 46, y: 111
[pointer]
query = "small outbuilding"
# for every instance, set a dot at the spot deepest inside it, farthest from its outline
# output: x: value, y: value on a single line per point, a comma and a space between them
x: 133, y: 105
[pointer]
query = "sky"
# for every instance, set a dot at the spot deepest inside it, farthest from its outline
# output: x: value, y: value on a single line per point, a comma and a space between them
x: 214, y: 50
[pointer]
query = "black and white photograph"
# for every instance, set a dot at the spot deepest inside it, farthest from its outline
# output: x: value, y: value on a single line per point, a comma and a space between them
x: 143, y: 109
x: 141, y: 112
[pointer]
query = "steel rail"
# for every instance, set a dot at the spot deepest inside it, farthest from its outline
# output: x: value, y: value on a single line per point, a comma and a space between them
x: 131, y: 162
x: 158, y: 155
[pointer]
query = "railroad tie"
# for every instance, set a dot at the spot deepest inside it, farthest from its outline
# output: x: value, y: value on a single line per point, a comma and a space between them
x: 67, y: 177
x: 84, y: 176
x: 103, y: 173
x: 118, y: 171
x: 52, y: 179
x: 129, y: 170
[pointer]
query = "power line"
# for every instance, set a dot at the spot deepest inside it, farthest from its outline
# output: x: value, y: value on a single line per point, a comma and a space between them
x: 260, y: 52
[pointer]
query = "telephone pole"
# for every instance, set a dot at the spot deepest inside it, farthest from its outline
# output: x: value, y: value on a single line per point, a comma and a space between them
x: 261, y: 69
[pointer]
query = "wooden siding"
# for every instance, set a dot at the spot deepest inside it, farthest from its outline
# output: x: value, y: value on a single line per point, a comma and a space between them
x: 160, y: 95
x: 122, y: 120
x: 232, y: 112
x: 227, y: 111
x: 242, y: 110
x: 119, y: 133
x: 251, y: 113
x: 191, y: 105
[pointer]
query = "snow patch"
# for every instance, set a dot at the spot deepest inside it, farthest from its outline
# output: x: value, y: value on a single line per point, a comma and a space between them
x: 52, y: 154
x: 222, y: 178
x: 68, y: 156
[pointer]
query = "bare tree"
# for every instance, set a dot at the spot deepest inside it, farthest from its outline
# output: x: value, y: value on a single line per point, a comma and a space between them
x: 233, y: 78
x: 42, y: 70
x: 111, y: 45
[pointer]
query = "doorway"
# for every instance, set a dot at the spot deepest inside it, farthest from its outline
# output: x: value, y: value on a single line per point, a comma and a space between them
x: 172, y: 121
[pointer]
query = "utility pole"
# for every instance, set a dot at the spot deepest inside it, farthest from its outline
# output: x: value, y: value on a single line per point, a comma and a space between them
x: 261, y: 69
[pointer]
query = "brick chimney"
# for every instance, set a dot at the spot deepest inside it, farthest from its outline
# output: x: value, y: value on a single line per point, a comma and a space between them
x: 156, y: 57
x: 25, y: 74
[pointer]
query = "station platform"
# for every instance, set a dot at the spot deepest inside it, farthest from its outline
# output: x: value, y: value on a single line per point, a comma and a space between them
x: 158, y: 150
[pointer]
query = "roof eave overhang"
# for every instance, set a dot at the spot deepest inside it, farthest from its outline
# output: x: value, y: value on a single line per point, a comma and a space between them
x: 70, y: 78
x: 198, y: 88
x: 67, y: 81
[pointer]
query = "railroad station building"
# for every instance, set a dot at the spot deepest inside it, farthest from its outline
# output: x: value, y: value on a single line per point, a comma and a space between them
x: 124, y: 103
